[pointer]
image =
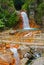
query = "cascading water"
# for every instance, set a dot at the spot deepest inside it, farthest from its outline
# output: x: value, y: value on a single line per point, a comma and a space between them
x: 25, y: 20
x: 16, y: 55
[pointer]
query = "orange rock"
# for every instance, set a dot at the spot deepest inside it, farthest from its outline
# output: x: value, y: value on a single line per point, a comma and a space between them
x: 7, y: 45
x: 16, y: 46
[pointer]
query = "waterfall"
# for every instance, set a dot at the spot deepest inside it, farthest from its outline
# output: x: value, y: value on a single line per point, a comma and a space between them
x: 16, y: 55
x: 25, y: 20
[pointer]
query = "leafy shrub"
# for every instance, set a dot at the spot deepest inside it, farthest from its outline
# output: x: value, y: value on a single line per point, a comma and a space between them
x: 1, y: 25
x: 7, y: 14
x: 40, y: 13
x: 13, y: 20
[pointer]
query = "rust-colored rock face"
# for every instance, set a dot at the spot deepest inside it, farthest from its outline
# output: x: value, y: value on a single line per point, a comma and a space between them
x: 6, y: 56
x: 32, y: 24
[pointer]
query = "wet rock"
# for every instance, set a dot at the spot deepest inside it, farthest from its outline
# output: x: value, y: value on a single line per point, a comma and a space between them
x: 39, y: 61
x: 12, y: 32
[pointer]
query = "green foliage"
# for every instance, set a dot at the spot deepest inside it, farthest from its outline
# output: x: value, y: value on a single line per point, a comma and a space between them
x: 40, y: 9
x: 7, y: 13
x: 27, y: 4
x: 39, y: 1
x: 40, y: 13
x: 13, y: 20
x: 1, y: 25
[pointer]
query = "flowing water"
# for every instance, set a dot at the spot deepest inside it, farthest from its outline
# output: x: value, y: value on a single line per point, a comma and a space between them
x: 25, y: 20
x: 16, y: 56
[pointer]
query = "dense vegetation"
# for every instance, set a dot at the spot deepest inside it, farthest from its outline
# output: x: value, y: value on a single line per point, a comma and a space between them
x: 9, y: 17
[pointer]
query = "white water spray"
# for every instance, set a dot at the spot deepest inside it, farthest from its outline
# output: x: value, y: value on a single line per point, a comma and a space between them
x: 16, y: 55
x: 25, y: 20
